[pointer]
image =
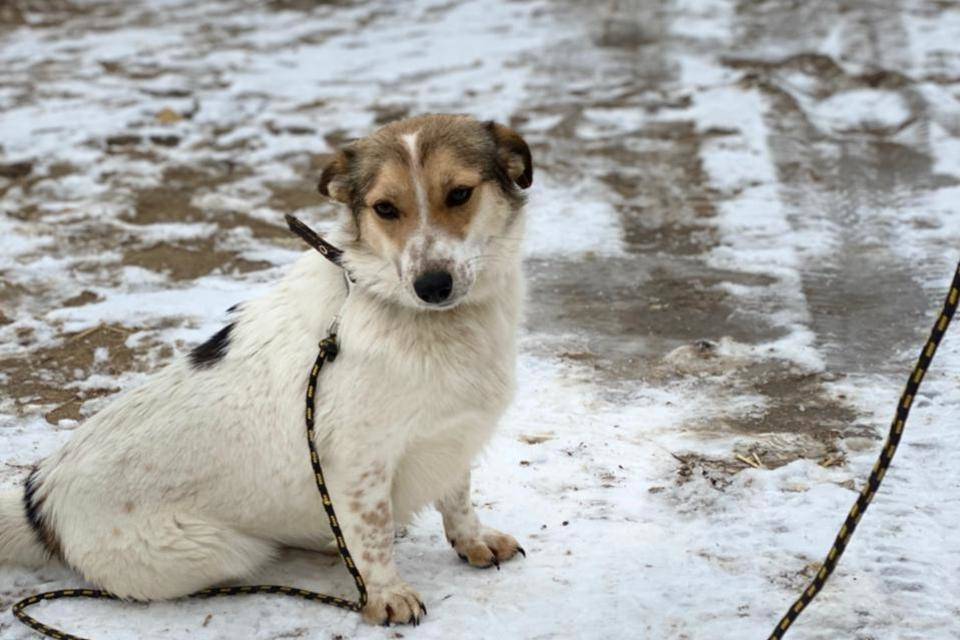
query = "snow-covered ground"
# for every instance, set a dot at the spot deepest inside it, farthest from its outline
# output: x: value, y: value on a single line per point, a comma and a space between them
x: 742, y: 222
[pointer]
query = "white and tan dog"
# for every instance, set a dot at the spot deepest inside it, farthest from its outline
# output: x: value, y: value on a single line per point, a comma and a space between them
x: 201, y: 475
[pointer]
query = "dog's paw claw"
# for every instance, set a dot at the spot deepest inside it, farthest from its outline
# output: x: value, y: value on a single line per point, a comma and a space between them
x: 398, y: 604
x: 488, y: 549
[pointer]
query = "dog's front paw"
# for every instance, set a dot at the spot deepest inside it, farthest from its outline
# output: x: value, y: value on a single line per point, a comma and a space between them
x: 488, y: 549
x: 396, y: 604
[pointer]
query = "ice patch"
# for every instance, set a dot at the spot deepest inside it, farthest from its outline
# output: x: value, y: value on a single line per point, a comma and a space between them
x: 208, y: 297
x: 565, y: 220
x: 861, y: 110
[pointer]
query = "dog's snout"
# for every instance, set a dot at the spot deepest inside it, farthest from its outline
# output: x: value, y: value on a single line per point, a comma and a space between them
x: 434, y: 286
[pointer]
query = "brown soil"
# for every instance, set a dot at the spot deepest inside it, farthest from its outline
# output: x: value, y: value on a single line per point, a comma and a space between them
x: 48, y: 376
x: 187, y: 261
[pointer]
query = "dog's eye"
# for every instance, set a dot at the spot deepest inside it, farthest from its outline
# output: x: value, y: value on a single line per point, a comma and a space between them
x: 386, y: 210
x: 458, y: 196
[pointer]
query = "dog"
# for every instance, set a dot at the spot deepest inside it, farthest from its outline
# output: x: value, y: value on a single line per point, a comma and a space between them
x: 202, y: 475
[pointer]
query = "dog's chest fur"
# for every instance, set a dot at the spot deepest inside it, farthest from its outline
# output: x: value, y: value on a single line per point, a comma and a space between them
x: 422, y: 390
x: 416, y: 376
x: 418, y: 392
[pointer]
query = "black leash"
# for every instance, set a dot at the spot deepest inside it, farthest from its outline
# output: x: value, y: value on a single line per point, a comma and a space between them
x: 327, y: 352
x: 882, y: 464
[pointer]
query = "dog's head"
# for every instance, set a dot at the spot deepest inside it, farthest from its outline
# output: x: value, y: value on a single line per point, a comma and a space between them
x: 435, y: 203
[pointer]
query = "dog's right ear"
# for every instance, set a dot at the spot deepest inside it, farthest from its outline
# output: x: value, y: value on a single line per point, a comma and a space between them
x: 335, y: 179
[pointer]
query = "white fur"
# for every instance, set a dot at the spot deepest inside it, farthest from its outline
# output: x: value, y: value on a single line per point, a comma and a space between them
x: 423, y: 207
x: 199, y: 476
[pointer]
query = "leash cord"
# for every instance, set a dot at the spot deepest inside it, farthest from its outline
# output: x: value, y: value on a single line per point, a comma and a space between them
x: 328, y: 350
x: 883, y: 462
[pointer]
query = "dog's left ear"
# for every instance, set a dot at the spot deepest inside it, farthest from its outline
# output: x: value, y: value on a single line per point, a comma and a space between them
x: 513, y: 154
x: 335, y: 179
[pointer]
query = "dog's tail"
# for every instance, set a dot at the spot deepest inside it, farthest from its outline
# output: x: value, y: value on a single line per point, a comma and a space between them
x: 19, y: 543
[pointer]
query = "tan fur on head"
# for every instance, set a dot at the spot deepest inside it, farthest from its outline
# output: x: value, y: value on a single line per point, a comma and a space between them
x: 428, y: 193
x: 496, y: 151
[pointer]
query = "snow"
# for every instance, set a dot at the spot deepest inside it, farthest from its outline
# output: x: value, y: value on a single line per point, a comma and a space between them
x: 565, y: 221
x: 862, y: 109
x: 619, y: 542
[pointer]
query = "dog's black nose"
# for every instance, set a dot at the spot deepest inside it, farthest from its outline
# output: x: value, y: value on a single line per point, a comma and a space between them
x: 434, y: 286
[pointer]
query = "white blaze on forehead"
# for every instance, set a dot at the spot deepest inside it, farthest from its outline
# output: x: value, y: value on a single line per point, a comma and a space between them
x: 410, y: 140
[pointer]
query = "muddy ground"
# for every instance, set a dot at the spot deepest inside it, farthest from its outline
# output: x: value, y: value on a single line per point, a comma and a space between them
x: 634, y: 308
x: 175, y: 159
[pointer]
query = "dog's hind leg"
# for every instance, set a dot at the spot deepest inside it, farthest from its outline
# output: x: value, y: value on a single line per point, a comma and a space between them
x: 164, y: 557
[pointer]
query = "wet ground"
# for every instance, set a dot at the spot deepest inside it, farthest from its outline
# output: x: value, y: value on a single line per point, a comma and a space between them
x: 742, y: 218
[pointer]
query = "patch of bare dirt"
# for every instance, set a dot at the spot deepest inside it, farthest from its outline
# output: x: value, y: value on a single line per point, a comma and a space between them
x: 15, y: 170
x: 83, y: 298
x: 798, y: 418
x: 10, y: 293
x: 51, y: 13
x: 291, y: 196
x: 48, y: 376
x: 171, y: 201
x: 633, y: 316
x: 304, y: 5
x: 189, y: 260
x: 24, y: 175
x: 797, y: 402
x: 386, y: 113
x: 716, y: 471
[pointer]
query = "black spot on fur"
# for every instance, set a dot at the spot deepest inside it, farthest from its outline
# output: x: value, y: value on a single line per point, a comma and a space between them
x: 33, y: 505
x: 212, y: 351
x: 235, y: 308
x: 29, y: 502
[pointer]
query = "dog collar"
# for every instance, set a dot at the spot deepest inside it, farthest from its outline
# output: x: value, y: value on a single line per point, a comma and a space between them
x: 315, y: 240
x: 334, y: 255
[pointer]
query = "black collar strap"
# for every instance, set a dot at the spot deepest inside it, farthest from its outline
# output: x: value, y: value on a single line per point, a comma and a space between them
x: 312, y: 238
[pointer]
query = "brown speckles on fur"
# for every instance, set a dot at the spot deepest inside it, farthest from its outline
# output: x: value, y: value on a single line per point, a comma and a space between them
x: 372, y: 532
x: 380, y: 557
x: 379, y: 517
x: 376, y: 473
